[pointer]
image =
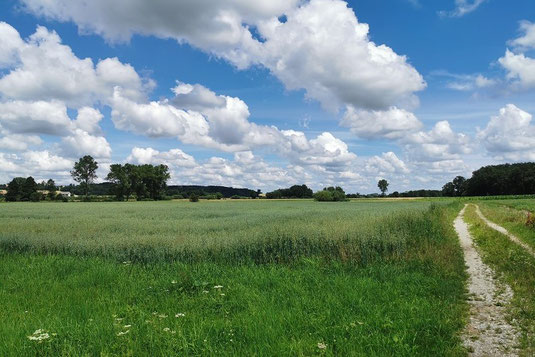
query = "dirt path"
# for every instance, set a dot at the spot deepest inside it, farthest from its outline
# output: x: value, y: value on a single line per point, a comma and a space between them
x: 505, y: 232
x: 488, y: 333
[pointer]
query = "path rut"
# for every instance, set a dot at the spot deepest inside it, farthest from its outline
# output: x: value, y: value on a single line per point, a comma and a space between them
x: 488, y: 332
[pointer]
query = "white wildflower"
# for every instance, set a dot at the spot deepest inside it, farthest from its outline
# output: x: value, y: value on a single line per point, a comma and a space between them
x: 162, y: 316
x: 127, y: 326
x: 166, y: 329
x: 180, y: 315
x: 39, y: 335
x: 123, y: 333
x: 218, y: 287
x: 322, y: 346
x: 173, y: 282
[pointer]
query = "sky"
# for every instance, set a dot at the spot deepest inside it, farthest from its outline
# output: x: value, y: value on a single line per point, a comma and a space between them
x: 270, y: 93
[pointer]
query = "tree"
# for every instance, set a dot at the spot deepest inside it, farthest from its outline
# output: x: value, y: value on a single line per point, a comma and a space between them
x: 383, y: 186
x: 14, y: 189
x: 29, y: 187
x: 459, y: 184
x: 448, y: 189
x: 118, y: 175
x: 50, y: 186
x: 84, y: 172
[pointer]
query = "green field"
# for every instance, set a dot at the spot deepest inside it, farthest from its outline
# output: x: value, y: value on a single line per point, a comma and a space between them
x: 284, y: 278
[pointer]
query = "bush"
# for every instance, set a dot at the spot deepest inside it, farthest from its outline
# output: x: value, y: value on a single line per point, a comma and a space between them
x: 331, y: 194
x: 193, y: 197
x: 36, y: 196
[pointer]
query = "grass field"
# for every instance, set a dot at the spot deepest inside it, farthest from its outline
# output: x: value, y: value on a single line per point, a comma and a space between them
x: 260, y: 278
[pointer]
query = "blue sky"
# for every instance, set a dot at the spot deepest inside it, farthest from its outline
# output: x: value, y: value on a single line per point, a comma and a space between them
x: 426, y: 94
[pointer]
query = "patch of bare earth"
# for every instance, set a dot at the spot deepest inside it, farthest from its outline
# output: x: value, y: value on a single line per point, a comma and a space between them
x: 505, y: 232
x: 488, y: 332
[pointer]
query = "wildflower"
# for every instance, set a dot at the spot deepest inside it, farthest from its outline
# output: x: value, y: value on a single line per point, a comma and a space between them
x: 39, y: 335
x: 218, y: 287
x: 180, y: 315
x: 222, y: 294
x: 173, y: 282
x: 322, y: 346
x: 127, y: 326
x: 162, y: 316
x: 122, y: 333
x: 166, y: 329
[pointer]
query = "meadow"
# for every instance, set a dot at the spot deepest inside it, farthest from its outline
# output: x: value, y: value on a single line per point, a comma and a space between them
x: 251, y: 277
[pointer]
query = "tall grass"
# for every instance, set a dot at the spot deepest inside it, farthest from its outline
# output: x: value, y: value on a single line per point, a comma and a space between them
x: 258, y: 232
x: 249, y: 278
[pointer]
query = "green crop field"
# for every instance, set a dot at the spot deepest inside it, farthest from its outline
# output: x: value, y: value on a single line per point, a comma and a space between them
x: 251, y: 277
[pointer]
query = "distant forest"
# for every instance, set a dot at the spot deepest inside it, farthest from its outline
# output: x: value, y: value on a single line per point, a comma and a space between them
x: 176, y: 191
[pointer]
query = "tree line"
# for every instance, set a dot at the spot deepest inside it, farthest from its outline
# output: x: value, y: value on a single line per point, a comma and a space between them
x: 495, y: 180
x: 26, y: 189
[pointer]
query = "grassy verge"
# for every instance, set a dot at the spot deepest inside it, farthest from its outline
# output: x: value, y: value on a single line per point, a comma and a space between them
x: 511, y: 216
x: 516, y: 267
x: 406, y: 301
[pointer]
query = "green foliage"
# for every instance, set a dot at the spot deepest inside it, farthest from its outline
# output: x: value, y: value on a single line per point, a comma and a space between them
x: 296, y: 191
x: 383, y: 186
x: 507, y: 179
x: 146, y: 181
x: 84, y: 172
x: 14, y: 189
x: 22, y: 189
x: 36, y: 196
x: 331, y: 194
x: 193, y: 197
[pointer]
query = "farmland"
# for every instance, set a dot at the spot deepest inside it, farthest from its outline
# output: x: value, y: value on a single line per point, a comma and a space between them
x: 232, y: 277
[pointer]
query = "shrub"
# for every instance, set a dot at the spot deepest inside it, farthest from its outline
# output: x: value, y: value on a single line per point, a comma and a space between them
x: 193, y: 197
x: 331, y: 194
x: 36, y: 196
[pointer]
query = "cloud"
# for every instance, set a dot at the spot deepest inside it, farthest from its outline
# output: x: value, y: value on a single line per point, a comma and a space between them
x: 18, y: 142
x: 81, y: 143
x: 437, y: 151
x: 520, y: 70
x: 463, y: 7
x: 322, y: 48
x: 509, y: 135
x: 527, y: 41
x: 319, y: 47
x: 465, y: 82
x: 39, y: 117
x: 387, y: 163
x: 393, y: 123
x: 219, y: 27
x: 245, y: 170
x: 198, y: 116
x: 43, y: 69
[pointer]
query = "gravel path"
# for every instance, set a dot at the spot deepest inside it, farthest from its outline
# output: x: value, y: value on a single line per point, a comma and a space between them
x: 505, y: 232
x: 488, y: 333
